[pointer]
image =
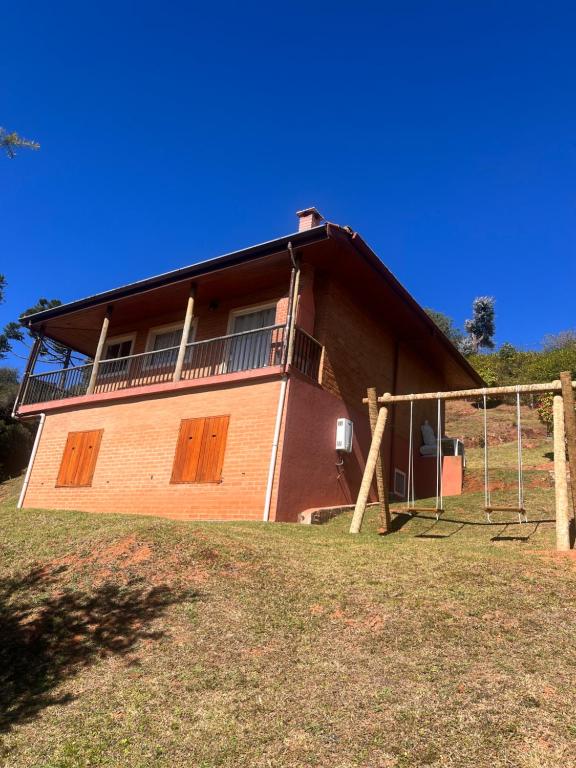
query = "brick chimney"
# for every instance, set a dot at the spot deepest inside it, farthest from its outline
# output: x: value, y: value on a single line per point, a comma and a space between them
x: 308, y: 218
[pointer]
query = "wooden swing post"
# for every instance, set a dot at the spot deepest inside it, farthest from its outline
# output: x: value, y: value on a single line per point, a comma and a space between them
x: 570, y: 428
x: 369, y: 469
x: 560, y: 479
x: 381, y: 484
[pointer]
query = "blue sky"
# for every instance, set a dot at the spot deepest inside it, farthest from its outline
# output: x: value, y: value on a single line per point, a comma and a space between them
x: 444, y: 132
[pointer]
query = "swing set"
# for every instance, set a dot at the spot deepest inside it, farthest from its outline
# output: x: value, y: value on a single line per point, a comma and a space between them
x: 563, y: 406
x: 489, y: 508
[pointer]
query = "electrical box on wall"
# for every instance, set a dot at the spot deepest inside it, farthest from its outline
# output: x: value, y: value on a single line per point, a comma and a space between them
x: 344, y: 435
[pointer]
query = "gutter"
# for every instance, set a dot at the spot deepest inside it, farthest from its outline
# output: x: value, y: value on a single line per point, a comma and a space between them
x: 275, y: 442
x: 31, y: 462
x: 290, y: 327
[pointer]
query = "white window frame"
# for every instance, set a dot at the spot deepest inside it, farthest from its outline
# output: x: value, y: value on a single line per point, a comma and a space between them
x: 234, y: 313
x: 110, y: 341
x: 159, y: 329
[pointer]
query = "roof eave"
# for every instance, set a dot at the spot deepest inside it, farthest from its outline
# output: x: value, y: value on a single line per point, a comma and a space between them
x: 193, y: 271
x: 364, y: 250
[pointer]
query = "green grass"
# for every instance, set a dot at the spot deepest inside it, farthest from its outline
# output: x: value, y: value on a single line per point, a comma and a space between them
x: 128, y: 641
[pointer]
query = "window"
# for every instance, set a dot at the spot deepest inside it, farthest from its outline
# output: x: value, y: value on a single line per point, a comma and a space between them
x: 116, y: 351
x: 79, y: 459
x: 200, y: 450
x: 163, y: 340
x: 252, y: 350
x: 399, y: 483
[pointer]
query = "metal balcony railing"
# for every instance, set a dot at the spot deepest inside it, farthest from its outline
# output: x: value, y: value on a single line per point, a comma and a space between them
x: 57, y: 385
x: 307, y: 354
x: 236, y: 352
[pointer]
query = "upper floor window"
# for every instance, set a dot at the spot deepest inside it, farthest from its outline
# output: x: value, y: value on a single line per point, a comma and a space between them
x: 115, y: 358
x: 164, y: 342
x: 254, y: 348
x: 118, y: 349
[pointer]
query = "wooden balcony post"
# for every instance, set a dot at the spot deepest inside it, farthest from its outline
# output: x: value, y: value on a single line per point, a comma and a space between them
x: 99, y: 351
x: 293, y: 312
x: 185, y: 334
x: 29, y: 370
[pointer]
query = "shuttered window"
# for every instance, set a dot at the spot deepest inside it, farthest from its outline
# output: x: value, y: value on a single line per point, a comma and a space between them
x: 200, y: 450
x: 79, y: 459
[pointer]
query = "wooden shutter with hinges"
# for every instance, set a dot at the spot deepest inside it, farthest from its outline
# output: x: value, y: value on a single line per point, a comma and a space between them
x: 200, y: 450
x: 79, y: 459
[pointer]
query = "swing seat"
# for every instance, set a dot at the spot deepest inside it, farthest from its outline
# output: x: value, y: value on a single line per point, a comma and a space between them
x: 415, y: 510
x: 520, y: 511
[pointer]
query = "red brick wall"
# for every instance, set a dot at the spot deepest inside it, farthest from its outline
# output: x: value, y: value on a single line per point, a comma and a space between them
x: 359, y: 352
x: 136, y: 453
x: 308, y: 471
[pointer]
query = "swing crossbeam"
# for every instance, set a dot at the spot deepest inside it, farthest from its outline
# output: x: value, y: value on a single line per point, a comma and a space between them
x: 465, y: 394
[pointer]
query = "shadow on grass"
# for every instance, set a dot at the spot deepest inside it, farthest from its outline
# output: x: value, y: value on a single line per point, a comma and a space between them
x: 46, y: 639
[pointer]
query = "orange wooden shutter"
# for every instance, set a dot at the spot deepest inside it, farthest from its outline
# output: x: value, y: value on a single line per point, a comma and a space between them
x: 187, y: 451
x: 68, y: 459
x: 213, y: 447
x: 200, y: 450
x: 79, y: 459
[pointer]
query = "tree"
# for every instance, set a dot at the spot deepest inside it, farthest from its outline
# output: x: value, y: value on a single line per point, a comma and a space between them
x: 50, y: 351
x: 561, y: 340
x: 15, y: 437
x: 481, y: 328
x: 10, y: 142
x: 446, y: 325
x: 545, y: 410
x: 16, y: 331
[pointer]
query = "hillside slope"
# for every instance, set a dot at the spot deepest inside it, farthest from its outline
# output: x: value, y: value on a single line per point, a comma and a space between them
x: 135, y: 642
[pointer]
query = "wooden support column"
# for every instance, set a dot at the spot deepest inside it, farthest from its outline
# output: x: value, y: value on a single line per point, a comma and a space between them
x: 373, y: 454
x: 29, y: 370
x: 293, y: 313
x: 570, y: 427
x: 99, y: 351
x: 560, y: 480
x: 381, y: 478
x: 189, y: 317
x: 66, y: 363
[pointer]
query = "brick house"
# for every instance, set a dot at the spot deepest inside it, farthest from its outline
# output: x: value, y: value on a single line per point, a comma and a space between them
x: 212, y: 392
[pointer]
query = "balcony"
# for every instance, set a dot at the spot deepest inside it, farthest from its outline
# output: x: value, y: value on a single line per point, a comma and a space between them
x: 235, y: 353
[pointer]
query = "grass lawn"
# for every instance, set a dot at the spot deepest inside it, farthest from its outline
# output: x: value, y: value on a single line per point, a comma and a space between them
x: 131, y: 641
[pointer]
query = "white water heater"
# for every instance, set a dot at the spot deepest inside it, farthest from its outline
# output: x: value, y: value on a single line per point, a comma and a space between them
x: 344, y: 435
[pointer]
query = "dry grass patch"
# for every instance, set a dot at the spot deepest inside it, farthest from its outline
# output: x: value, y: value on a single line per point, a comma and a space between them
x: 151, y: 643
